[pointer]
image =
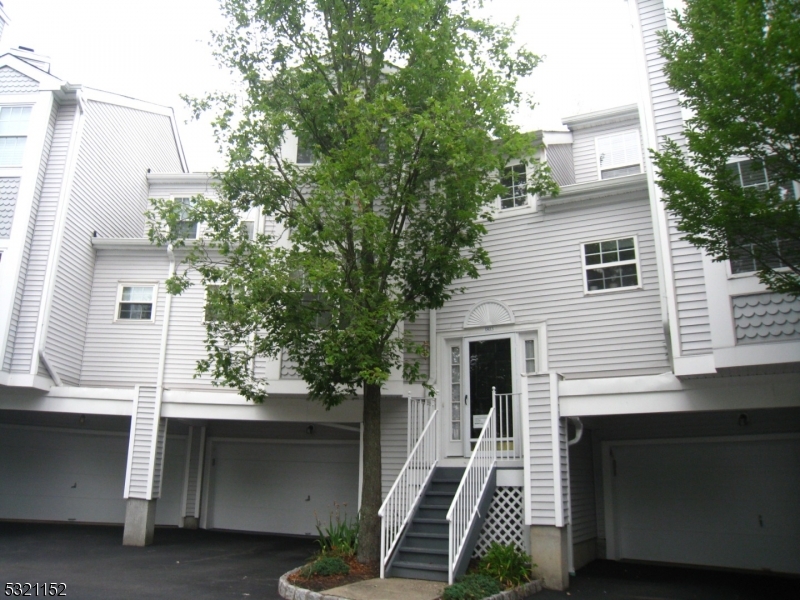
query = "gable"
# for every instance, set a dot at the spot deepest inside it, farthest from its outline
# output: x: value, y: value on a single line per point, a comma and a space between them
x: 14, y: 82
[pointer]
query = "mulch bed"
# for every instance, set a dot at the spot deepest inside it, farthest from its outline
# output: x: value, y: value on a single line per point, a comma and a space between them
x: 318, y: 583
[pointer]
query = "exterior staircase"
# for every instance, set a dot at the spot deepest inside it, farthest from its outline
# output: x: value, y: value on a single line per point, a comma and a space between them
x: 423, y: 549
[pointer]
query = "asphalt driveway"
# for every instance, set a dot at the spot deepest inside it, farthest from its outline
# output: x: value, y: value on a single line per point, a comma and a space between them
x: 200, y: 565
x: 607, y: 580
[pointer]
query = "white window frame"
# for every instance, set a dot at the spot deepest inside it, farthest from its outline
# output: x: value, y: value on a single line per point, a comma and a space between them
x: 768, y: 182
x: 252, y: 233
x: 197, y: 232
x: 526, y: 204
x: 620, y: 263
x: 118, y: 303
x: 524, y: 338
x: 17, y: 135
x: 598, y: 155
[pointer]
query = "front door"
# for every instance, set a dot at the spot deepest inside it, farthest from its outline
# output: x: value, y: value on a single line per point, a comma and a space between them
x: 489, y: 366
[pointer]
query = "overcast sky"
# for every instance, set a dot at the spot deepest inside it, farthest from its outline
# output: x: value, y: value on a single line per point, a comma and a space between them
x: 157, y: 49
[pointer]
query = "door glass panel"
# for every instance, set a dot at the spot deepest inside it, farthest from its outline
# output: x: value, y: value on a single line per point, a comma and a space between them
x: 455, y: 393
x: 489, y: 366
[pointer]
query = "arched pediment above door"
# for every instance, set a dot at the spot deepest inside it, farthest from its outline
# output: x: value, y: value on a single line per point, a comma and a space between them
x: 488, y: 314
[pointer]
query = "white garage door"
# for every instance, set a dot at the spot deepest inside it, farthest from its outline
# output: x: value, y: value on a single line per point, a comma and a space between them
x: 725, y: 503
x: 280, y: 487
x: 49, y: 474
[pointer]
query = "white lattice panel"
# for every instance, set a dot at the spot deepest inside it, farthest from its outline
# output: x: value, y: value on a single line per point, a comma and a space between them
x: 505, y: 523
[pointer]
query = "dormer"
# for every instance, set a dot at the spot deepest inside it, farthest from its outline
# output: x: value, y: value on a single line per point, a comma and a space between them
x: 606, y: 144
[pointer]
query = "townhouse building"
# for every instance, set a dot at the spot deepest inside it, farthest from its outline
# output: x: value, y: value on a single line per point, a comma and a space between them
x: 603, y: 391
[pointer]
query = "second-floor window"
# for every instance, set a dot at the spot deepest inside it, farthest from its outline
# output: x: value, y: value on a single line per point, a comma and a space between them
x: 516, y: 183
x: 610, y: 265
x: 13, y: 133
x: 619, y: 154
x: 136, y: 302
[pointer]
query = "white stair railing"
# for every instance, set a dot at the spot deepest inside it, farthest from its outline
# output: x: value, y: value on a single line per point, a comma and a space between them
x: 419, y: 411
x: 507, y: 407
x: 396, y: 509
x: 468, y: 496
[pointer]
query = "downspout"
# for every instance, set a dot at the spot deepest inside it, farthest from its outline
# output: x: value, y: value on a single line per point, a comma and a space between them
x: 162, y: 356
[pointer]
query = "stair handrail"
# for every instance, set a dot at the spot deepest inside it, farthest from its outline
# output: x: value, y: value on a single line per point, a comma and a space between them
x: 464, y: 508
x: 419, y: 411
x: 399, y: 504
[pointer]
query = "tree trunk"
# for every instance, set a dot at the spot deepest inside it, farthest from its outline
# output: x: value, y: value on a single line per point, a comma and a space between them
x: 369, y: 528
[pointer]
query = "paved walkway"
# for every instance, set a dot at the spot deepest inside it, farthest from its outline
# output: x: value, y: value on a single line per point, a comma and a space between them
x: 389, y: 589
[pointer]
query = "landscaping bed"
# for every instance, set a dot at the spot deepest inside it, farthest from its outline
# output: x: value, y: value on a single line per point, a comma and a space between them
x: 319, y: 583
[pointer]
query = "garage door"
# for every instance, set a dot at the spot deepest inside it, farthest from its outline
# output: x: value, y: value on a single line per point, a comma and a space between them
x: 280, y: 487
x: 49, y: 474
x: 724, y: 503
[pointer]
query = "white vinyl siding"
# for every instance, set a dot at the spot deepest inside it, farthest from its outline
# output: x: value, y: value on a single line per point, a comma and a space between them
x: 109, y: 195
x: 25, y: 319
x: 394, y: 440
x: 692, y: 303
x: 537, y: 271
x: 542, y: 495
x: 123, y: 351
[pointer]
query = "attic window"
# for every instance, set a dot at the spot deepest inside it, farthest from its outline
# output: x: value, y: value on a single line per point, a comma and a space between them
x: 13, y: 133
x: 619, y: 155
x: 515, y: 181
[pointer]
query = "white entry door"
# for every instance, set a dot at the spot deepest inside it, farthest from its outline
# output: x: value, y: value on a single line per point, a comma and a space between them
x: 724, y: 502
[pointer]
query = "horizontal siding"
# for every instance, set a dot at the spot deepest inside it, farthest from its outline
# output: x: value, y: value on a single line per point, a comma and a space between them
x: 62, y: 121
x: 394, y: 434
x: 109, y: 197
x: 15, y: 309
x: 581, y: 481
x: 692, y: 304
x: 119, y: 353
x: 584, y: 150
x: 419, y: 332
x: 537, y: 272
x: 142, y: 430
x: 187, y: 339
x: 542, y: 509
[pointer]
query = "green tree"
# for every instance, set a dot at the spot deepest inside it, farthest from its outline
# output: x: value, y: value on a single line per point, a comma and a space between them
x: 736, y: 64
x: 404, y: 105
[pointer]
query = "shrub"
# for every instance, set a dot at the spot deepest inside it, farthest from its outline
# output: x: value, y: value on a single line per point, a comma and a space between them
x: 507, y: 564
x: 325, y: 566
x: 340, y: 537
x: 472, y: 587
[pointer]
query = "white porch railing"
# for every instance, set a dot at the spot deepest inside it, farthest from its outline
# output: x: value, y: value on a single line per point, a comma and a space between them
x: 465, y: 503
x: 507, y: 415
x: 419, y: 411
x: 407, y: 489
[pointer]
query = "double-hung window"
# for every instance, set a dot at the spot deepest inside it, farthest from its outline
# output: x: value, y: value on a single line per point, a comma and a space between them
x: 136, y: 302
x: 753, y: 174
x: 13, y: 133
x: 619, y: 154
x: 610, y: 265
x: 187, y: 228
x: 515, y: 181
